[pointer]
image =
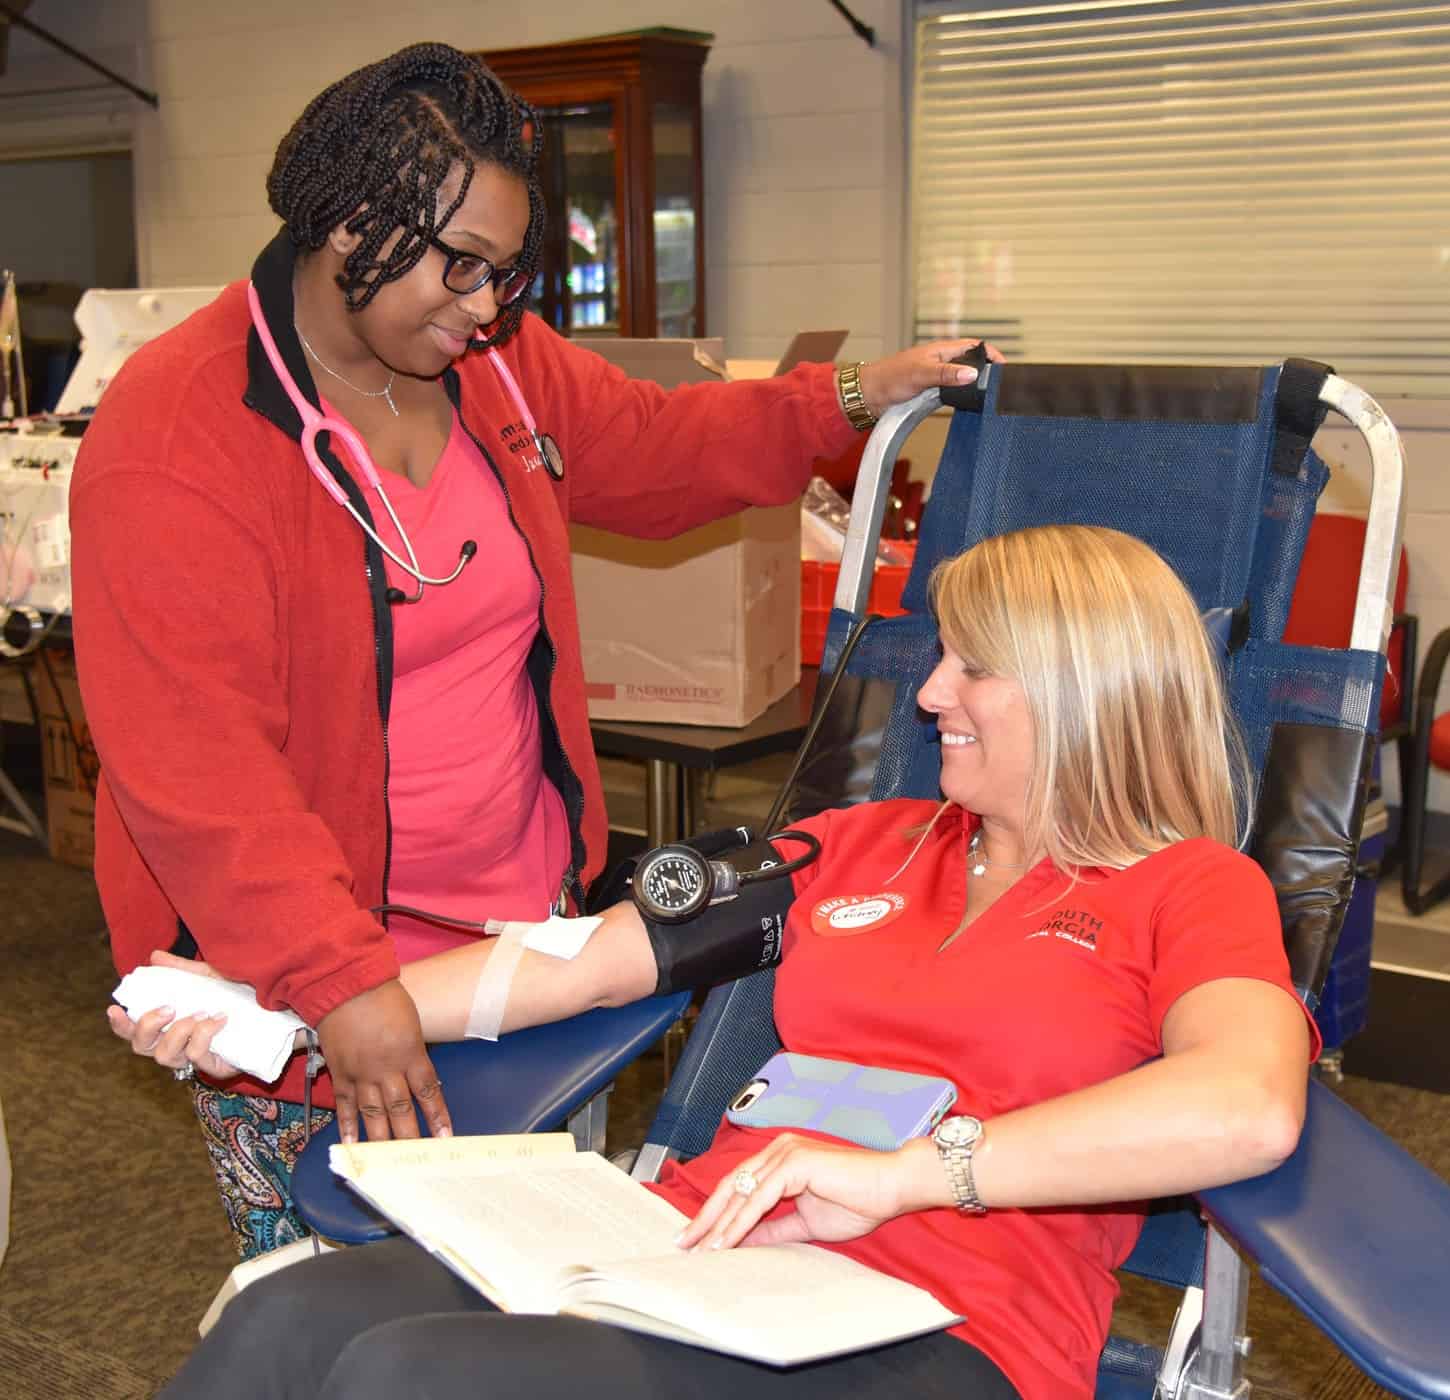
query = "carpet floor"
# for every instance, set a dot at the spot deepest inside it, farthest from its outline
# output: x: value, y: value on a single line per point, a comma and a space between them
x: 117, y: 1239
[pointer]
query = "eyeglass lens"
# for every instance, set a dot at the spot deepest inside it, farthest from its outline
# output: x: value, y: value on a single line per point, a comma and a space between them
x: 467, y: 272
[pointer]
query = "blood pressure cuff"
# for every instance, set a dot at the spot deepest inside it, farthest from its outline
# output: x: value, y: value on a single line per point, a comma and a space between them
x: 727, y: 940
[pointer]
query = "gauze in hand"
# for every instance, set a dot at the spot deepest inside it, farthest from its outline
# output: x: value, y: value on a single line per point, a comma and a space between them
x: 257, y: 1042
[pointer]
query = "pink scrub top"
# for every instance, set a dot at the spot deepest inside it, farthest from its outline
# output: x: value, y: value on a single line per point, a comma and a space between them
x: 478, y: 831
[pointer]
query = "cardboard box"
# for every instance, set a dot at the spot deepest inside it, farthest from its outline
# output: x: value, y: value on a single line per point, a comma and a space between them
x: 69, y: 760
x: 704, y: 628
x: 701, y: 629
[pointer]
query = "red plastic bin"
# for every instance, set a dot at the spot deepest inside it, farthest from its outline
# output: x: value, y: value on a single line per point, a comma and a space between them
x: 818, y: 589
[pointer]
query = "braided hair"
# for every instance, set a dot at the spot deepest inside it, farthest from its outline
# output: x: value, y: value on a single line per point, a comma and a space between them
x: 373, y: 150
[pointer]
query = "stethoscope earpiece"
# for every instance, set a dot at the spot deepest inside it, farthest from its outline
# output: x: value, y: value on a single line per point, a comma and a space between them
x: 466, y: 552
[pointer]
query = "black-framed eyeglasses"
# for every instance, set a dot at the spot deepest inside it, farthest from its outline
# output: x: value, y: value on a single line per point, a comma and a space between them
x: 464, y: 273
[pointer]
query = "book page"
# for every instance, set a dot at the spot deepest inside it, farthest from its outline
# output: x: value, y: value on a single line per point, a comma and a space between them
x: 444, y: 1155
x: 782, y: 1304
x: 515, y: 1234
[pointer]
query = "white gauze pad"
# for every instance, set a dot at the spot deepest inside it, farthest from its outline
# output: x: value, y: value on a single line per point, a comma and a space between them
x: 256, y: 1041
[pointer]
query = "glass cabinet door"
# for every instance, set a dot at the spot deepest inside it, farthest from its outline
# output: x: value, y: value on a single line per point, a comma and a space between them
x: 621, y: 177
x: 578, y: 287
x: 677, y: 284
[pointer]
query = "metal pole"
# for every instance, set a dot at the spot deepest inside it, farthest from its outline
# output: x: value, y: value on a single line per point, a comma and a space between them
x: 1218, y: 1370
x: 661, y: 802
x: 16, y: 18
x: 863, y: 30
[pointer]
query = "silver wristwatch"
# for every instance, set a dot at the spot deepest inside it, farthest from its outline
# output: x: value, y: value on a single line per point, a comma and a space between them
x: 956, y: 1139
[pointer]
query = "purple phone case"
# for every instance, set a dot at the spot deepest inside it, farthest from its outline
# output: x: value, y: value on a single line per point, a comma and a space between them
x: 878, y: 1108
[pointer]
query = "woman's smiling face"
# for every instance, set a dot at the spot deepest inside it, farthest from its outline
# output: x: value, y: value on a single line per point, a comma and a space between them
x: 986, y: 736
x: 416, y: 325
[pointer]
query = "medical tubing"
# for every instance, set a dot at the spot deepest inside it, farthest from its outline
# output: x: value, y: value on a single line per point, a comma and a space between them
x: 783, y: 796
x: 789, y: 867
x: 486, y: 927
x: 314, y: 422
x: 464, y: 554
x: 309, y: 1073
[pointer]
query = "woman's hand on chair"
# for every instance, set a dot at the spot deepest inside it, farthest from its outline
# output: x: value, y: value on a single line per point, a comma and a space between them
x: 170, y: 1042
x: 839, y: 1193
x: 903, y: 376
x: 374, y: 1047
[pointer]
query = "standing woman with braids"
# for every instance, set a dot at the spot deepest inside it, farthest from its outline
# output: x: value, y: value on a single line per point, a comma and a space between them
x: 293, y: 730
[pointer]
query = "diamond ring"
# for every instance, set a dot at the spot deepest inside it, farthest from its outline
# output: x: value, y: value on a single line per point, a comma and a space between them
x: 187, y: 1071
x: 745, y: 1182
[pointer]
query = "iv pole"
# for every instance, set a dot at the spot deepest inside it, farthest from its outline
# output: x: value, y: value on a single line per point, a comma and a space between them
x: 12, y: 376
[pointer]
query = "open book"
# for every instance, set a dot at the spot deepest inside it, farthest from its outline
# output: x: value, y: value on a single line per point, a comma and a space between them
x: 539, y: 1228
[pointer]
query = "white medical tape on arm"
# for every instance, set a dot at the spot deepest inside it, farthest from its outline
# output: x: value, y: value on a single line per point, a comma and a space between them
x: 555, y: 936
x: 491, y: 995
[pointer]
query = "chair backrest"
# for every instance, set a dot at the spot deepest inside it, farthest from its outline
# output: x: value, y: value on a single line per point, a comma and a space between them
x: 1211, y: 467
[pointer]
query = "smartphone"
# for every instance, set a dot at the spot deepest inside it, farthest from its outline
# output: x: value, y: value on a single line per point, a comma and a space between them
x: 879, y: 1108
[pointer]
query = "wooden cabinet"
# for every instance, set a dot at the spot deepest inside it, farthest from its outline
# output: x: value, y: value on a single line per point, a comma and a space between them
x: 621, y: 173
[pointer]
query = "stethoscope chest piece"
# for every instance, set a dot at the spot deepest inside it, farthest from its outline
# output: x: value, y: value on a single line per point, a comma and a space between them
x: 553, y: 458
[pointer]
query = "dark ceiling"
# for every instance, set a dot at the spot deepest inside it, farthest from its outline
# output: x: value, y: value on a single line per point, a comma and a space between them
x: 15, y: 7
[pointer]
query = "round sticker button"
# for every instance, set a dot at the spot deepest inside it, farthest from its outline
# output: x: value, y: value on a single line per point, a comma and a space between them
x: 847, y: 914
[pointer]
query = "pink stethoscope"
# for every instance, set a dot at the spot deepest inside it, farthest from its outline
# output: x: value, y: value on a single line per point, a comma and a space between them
x: 315, y: 422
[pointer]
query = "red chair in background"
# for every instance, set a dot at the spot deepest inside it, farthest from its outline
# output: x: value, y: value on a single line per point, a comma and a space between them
x: 1321, y: 614
x: 1431, y: 747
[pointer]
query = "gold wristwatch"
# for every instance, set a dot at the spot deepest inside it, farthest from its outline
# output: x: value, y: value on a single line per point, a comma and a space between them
x: 956, y: 1139
x: 853, y: 401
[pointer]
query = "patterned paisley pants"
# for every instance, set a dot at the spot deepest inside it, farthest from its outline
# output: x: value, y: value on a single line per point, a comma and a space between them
x: 253, y: 1144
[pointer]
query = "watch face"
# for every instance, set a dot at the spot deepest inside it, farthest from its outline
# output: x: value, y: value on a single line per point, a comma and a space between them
x: 672, y: 884
x: 960, y: 1131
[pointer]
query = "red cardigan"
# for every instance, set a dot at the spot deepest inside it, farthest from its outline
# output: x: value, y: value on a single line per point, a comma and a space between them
x: 235, y: 649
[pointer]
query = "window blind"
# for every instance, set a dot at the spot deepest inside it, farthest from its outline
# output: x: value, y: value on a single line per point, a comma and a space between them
x: 1188, y: 181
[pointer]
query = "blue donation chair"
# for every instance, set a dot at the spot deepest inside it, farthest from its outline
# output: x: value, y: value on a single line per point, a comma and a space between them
x: 1213, y: 468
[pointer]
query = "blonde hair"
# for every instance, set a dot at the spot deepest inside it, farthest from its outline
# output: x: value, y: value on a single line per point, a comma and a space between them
x: 1135, y: 748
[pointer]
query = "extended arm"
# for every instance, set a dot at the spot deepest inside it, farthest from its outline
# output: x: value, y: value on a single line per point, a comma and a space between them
x: 616, y: 966
x: 653, y: 463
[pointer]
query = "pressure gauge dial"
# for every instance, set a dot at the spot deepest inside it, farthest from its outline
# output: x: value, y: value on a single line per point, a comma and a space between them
x: 672, y: 884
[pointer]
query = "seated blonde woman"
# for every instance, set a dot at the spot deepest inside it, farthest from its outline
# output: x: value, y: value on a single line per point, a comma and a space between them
x: 1076, y: 944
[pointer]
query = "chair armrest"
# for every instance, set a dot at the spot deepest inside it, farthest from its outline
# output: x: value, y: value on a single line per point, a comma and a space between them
x: 1356, y: 1233
x: 523, y: 1082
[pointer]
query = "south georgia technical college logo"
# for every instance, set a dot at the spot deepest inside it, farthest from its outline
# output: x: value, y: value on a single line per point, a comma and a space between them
x: 1073, y: 926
